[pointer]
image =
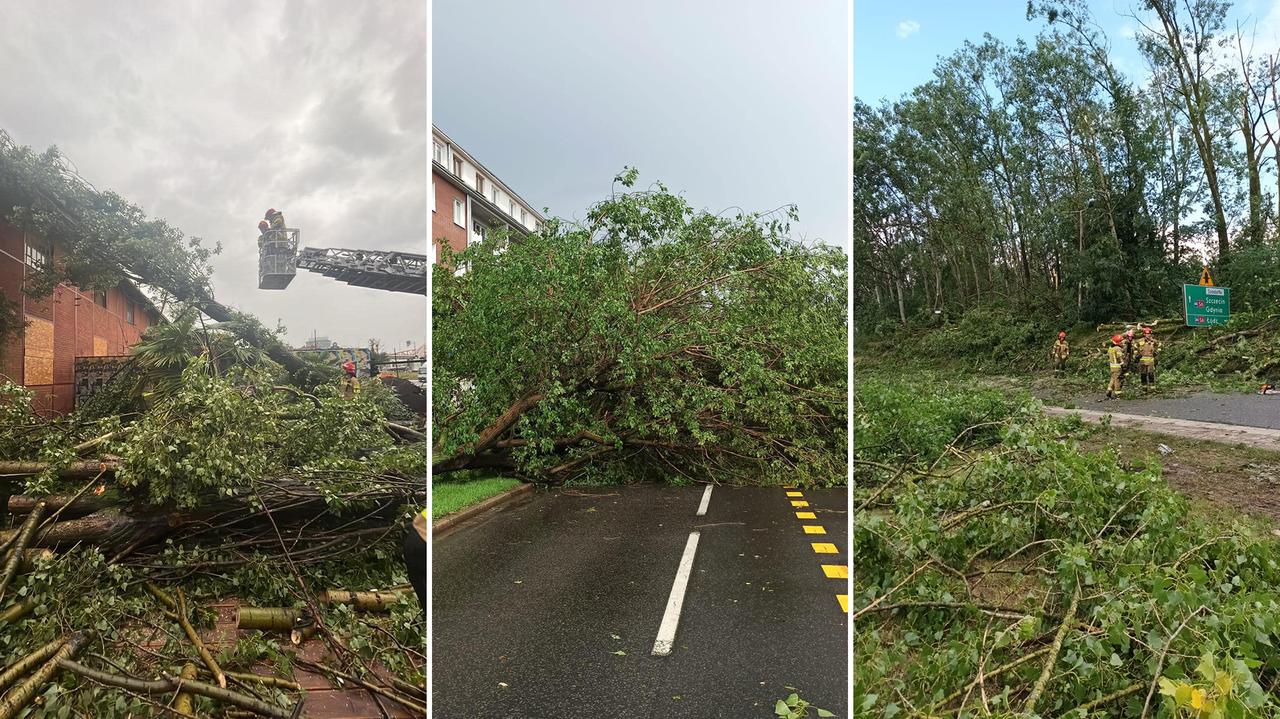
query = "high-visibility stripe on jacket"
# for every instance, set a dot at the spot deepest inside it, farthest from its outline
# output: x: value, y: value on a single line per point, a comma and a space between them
x: 1147, y: 351
x: 1115, y: 355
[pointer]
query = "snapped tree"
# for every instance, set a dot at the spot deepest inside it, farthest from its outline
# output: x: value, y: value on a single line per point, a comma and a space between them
x: 649, y: 341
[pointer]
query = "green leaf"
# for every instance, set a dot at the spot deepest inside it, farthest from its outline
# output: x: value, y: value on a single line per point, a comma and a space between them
x: 781, y: 708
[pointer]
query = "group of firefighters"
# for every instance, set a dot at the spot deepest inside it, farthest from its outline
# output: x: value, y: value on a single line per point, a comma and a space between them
x: 1125, y: 354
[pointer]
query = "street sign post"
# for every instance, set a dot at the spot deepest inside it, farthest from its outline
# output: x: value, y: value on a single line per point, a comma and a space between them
x: 1206, y: 305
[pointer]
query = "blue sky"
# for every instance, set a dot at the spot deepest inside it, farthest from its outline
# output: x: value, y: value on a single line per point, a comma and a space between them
x: 897, y: 44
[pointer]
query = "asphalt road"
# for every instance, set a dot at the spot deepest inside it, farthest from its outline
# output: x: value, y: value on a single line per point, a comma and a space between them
x: 1251, y: 410
x: 550, y: 609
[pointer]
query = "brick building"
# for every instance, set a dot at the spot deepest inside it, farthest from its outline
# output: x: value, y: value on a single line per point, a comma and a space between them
x: 468, y: 200
x: 63, y: 326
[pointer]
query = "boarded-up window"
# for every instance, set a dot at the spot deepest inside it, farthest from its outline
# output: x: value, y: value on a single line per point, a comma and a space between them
x: 100, y: 346
x: 37, y: 367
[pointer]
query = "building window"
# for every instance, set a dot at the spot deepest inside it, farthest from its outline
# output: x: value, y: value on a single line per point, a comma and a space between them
x: 480, y: 183
x: 524, y: 218
x: 128, y: 311
x: 100, y: 298
x: 512, y: 205
x: 495, y: 194
x: 459, y: 214
x: 479, y: 230
x: 439, y: 152
x: 37, y: 256
x: 457, y: 167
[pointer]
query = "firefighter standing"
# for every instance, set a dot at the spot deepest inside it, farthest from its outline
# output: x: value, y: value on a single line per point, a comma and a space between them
x: 1128, y: 356
x: 1147, y: 348
x: 1061, y: 350
x: 349, y: 382
x: 275, y: 218
x: 1115, y: 358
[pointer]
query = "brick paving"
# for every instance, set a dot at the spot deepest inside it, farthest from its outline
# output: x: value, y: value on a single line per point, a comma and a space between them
x: 323, y: 699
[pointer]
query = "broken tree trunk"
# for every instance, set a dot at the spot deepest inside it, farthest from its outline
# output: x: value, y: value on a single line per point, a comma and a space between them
x: 114, y: 528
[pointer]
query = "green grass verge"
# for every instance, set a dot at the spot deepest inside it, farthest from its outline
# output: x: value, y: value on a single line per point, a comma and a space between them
x: 449, y: 497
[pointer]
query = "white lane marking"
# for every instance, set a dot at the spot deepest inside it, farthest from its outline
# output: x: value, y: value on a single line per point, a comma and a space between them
x: 670, y: 618
x: 706, y: 499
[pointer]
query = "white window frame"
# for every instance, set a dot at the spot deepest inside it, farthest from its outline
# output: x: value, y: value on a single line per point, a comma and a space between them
x: 440, y: 153
x: 433, y: 195
x: 35, y: 257
x: 479, y: 230
x: 459, y: 213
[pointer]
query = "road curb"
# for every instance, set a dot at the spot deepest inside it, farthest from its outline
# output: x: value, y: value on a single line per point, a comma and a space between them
x: 450, y: 521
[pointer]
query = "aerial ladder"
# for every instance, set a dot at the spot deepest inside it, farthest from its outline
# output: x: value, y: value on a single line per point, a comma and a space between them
x: 279, y: 259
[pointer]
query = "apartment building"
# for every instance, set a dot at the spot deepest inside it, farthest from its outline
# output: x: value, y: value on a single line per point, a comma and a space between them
x: 468, y: 200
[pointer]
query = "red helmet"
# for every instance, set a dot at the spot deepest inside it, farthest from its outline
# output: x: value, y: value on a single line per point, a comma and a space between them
x: 271, y: 212
x: 1116, y: 339
x: 263, y: 224
x: 1062, y: 335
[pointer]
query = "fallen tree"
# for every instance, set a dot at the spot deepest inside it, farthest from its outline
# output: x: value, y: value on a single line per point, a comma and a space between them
x: 1001, y: 570
x: 225, y: 484
x: 649, y: 341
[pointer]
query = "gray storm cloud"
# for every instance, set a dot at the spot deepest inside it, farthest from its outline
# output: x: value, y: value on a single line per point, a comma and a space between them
x: 206, y: 113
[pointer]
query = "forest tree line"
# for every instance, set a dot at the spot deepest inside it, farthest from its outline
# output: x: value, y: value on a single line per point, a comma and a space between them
x: 1040, y: 180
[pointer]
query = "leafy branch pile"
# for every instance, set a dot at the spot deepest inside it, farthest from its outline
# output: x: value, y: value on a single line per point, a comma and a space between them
x: 650, y: 341
x: 1000, y: 570
x: 216, y: 480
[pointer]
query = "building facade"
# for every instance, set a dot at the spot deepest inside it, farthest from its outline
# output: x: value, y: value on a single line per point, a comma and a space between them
x: 468, y: 201
x: 66, y: 325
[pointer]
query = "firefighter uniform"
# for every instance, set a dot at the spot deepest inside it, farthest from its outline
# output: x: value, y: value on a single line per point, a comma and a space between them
x: 1146, y: 350
x: 1115, y: 358
x: 1061, y: 350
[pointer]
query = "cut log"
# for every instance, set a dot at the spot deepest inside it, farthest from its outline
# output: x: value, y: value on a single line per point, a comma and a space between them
x: 184, y: 704
x: 270, y: 619
x: 15, y: 612
x: 367, y: 601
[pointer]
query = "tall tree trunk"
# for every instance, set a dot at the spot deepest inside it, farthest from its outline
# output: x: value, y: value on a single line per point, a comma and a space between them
x: 902, y: 307
x: 1252, y: 157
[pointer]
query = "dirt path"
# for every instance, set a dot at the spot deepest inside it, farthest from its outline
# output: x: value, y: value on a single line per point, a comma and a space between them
x: 1224, y: 481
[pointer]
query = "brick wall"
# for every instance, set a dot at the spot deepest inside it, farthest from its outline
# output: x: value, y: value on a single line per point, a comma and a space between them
x: 443, y: 230
x: 77, y: 325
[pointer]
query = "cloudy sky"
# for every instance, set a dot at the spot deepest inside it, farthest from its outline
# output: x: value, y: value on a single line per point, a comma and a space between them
x: 208, y: 112
x: 732, y: 102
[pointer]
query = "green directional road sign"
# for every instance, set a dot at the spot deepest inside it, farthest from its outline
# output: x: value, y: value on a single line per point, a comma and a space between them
x: 1206, y: 305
